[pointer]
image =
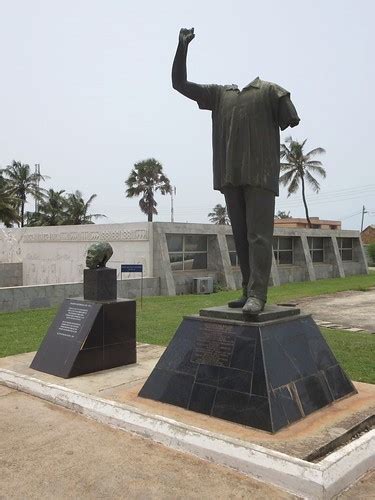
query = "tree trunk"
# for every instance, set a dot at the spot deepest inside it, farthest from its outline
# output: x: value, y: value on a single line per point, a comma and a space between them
x: 22, y: 212
x: 150, y: 199
x: 304, y: 202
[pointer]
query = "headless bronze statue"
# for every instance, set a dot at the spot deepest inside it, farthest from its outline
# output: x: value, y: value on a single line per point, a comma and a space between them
x: 246, y: 164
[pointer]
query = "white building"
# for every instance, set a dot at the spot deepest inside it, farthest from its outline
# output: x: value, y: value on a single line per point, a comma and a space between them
x: 172, y: 254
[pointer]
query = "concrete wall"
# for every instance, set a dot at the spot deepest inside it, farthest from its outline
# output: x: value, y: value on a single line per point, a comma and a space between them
x: 218, y: 262
x: 57, y: 254
x: 323, y: 270
x: 289, y: 274
x: 34, y: 297
x: 219, y: 266
x: 52, y: 255
x: 183, y: 280
x: 11, y: 274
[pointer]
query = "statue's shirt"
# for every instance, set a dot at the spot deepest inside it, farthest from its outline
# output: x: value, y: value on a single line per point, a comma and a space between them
x: 246, y: 132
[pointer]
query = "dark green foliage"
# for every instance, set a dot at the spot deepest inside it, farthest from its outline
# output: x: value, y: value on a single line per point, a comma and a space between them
x: 59, y: 209
x: 145, y: 178
x: 55, y: 208
x: 299, y: 167
x: 77, y: 208
x: 21, y: 182
x: 371, y: 251
x: 219, y: 215
x: 8, y: 206
x: 51, y: 211
x: 281, y: 214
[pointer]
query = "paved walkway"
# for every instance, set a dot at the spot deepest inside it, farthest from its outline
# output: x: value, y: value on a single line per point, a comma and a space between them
x: 348, y: 309
x: 48, y: 452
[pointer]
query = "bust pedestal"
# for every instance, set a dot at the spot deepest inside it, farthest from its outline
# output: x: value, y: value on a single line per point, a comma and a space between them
x: 100, y: 284
x: 89, y: 335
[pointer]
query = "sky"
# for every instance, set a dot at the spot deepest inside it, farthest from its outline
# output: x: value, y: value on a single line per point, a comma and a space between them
x: 86, y: 93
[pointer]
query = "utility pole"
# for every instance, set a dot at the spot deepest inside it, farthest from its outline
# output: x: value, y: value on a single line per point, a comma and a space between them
x: 173, y: 192
x: 364, y: 211
x: 37, y: 172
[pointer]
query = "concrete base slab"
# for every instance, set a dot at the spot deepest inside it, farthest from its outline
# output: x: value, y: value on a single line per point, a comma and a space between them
x: 351, y: 309
x: 111, y: 397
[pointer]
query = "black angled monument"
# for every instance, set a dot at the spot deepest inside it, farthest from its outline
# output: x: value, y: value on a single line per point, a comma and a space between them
x: 250, y: 363
x: 93, y: 334
x: 266, y: 372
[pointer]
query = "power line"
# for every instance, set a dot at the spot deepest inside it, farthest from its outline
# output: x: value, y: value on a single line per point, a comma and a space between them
x: 341, y: 194
x: 349, y: 216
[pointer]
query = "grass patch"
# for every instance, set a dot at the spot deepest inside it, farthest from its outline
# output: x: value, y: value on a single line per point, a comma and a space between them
x: 158, y: 320
x: 23, y: 331
x: 354, y: 351
x: 292, y: 291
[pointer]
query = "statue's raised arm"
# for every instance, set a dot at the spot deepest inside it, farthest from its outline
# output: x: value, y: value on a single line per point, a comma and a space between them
x: 179, y: 72
x: 205, y: 95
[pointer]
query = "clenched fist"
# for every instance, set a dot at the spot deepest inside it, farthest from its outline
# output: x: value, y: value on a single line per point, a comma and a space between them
x: 186, y: 36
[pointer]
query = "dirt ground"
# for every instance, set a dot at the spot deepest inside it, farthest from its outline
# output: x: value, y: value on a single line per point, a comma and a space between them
x: 50, y: 452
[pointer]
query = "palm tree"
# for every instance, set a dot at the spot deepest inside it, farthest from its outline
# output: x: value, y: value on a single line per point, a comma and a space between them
x: 281, y: 214
x: 77, y: 208
x: 299, y: 167
x: 22, y: 182
x: 8, y: 208
x: 219, y: 215
x: 145, y: 178
x: 51, y: 211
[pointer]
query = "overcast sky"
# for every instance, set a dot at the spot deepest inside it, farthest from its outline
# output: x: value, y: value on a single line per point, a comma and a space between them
x: 86, y: 92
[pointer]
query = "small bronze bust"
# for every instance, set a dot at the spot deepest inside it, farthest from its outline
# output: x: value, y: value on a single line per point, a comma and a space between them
x: 98, y: 254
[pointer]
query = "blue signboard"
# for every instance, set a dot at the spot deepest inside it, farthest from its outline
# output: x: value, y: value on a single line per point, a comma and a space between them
x: 132, y: 268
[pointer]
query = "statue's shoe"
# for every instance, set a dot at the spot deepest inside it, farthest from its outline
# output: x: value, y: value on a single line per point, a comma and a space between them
x: 237, y: 303
x: 253, y: 306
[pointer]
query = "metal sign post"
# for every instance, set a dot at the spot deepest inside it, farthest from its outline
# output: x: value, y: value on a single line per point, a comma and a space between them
x: 134, y: 268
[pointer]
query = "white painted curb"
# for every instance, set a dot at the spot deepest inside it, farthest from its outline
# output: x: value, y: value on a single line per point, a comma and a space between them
x: 320, y: 480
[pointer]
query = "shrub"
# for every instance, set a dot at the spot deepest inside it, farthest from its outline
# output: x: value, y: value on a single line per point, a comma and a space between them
x: 371, y: 251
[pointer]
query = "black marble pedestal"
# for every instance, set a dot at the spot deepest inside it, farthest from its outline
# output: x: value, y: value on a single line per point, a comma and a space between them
x: 88, y: 336
x: 270, y: 313
x: 100, y: 284
x: 263, y: 374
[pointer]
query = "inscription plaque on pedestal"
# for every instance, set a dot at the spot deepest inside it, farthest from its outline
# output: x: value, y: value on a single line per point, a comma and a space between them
x: 214, y: 346
x: 75, y: 318
x: 88, y: 336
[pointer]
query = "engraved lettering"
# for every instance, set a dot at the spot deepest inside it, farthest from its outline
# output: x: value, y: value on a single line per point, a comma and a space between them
x: 117, y: 235
x: 214, y: 346
x: 73, y: 319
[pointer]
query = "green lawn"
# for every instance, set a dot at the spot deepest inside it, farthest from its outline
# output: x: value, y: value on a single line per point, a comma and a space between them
x: 157, y: 321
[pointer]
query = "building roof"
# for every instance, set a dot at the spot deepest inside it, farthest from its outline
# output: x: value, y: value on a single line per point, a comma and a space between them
x: 315, y: 221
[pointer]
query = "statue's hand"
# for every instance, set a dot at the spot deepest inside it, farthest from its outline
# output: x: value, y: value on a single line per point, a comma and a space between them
x: 186, y: 36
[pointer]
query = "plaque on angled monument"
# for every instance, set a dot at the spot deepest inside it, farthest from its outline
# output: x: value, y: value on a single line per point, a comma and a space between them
x: 91, y: 334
